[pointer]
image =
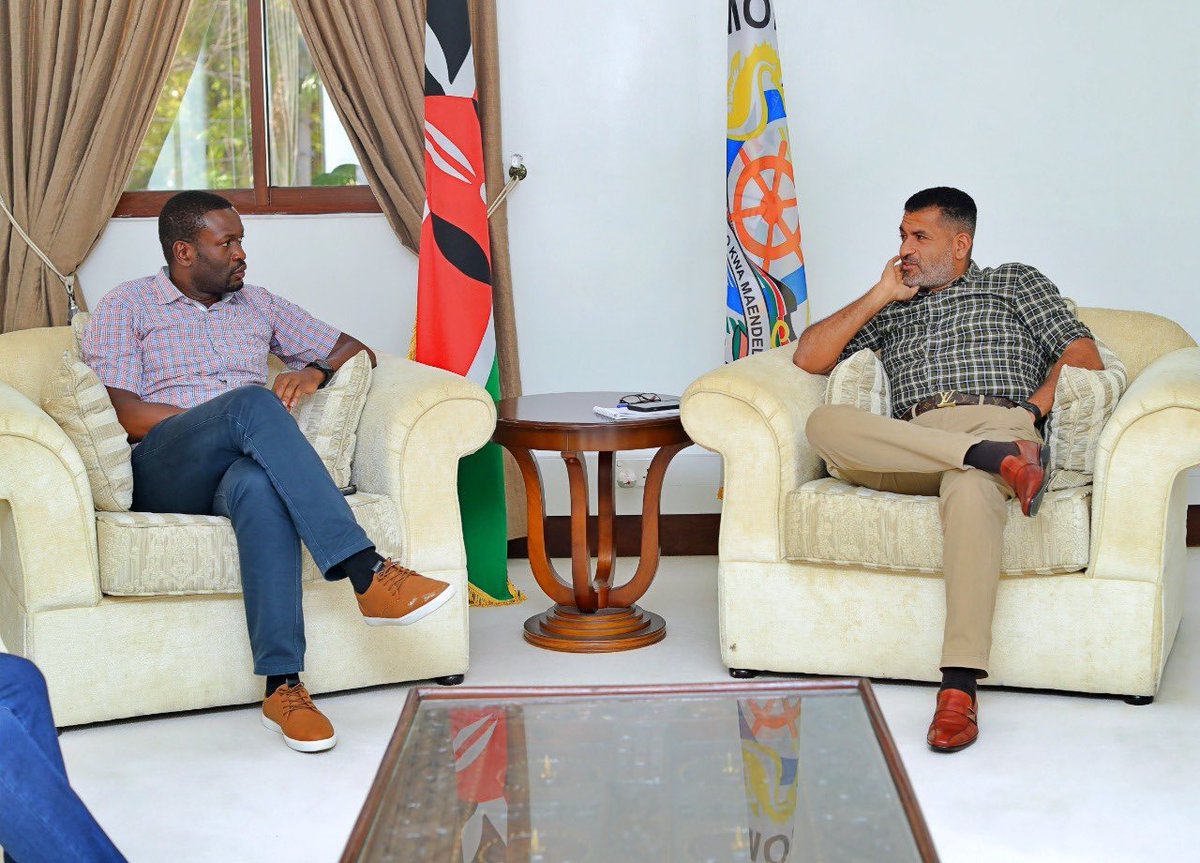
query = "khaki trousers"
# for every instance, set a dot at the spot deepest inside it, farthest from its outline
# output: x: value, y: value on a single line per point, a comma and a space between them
x: 925, y: 456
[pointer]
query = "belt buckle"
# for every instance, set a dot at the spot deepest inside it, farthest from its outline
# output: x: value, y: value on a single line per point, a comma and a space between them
x: 946, y: 400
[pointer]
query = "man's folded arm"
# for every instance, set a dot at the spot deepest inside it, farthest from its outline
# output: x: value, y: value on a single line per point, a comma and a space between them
x: 1081, y: 354
x: 346, y: 347
x: 136, y: 416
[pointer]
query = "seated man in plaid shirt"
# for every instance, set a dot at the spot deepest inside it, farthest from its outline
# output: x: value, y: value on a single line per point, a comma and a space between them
x: 183, y: 354
x: 988, y: 342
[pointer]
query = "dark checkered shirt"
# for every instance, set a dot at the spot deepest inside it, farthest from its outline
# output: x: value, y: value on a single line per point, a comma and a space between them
x: 993, y: 332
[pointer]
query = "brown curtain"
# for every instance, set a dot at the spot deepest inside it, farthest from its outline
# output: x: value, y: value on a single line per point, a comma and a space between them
x: 79, y: 80
x: 371, y: 56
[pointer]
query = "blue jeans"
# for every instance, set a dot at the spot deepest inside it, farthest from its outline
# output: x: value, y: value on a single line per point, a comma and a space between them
x: 41, y: 818
x: 241, y: 455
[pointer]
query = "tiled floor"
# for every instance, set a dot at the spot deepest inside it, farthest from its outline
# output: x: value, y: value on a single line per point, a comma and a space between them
x: 1053, y: 777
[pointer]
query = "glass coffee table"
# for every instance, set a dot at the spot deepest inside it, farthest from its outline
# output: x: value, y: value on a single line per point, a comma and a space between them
x: 772, y: 771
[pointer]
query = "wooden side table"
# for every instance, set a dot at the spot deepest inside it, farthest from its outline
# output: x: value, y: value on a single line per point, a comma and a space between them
x: 590, y: 615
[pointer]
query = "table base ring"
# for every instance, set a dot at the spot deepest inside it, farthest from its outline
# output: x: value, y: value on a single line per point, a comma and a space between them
x: 568, y: 629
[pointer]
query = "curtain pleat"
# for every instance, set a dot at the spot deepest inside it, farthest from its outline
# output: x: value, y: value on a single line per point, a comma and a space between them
x: 79, y: 81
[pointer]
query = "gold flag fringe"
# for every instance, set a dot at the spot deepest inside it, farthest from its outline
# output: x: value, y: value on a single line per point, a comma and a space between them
x: 479, y: 599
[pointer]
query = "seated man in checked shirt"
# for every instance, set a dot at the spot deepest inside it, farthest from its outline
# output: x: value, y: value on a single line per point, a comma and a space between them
x: 183, y: 354
x: 988, y: 342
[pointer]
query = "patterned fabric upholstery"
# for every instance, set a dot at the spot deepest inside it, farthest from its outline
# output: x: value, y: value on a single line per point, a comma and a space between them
x: 1084, y: 400
x: 78, y: 402
x: 829, y: 521
x: 329, y: 417
x: 153, y: 554
x: 860, y: 381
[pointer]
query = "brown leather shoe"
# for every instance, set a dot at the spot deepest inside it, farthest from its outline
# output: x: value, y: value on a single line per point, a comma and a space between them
x: 1027, y: 473
x: 292, y: 713
x: 954, y: 725
x: 398, y: 595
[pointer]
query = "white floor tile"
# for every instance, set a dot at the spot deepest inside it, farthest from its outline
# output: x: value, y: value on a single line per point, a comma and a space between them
x: 1053, y: 778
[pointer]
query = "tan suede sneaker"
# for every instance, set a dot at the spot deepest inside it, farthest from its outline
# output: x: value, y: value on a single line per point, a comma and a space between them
x: 398, y: 595
x: 291, y: 712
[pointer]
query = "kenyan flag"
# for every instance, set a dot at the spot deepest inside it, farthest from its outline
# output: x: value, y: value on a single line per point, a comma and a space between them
x: 454, y: 328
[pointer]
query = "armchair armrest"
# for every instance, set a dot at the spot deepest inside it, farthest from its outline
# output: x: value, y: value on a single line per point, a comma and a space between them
x: 1139, y: 498
x: 418, y: 422
x: 47, y: 523
x: 753, y: 413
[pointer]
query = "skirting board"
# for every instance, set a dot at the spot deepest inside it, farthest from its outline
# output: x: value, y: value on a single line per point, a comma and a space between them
x: 687, y: 534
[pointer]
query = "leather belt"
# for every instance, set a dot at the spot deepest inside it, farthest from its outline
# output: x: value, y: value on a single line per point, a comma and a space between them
x: 953, y: 398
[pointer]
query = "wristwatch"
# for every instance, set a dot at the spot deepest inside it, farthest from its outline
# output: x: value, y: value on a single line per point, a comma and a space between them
x: 1033, y: 409
x: 324, y: 368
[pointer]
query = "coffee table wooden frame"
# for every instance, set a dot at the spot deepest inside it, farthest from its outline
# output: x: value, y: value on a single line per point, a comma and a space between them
x: 761, y: 689
x: 591, y: 615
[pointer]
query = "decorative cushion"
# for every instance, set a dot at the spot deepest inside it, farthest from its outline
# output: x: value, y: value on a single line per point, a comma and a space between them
x: 329, y: 417
x: 860, y: 381
x: 152, y: 554
x: 79, y: 403
x: 830, y: 521
x: 1084, y: 400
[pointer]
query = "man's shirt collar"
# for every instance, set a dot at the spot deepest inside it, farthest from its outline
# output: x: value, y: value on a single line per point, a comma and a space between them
x: 165, y: 292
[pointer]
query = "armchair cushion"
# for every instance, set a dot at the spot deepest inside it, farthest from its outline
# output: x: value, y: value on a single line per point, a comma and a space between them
x: 329, y: 417
x: 830, y: 521
x: 79, y: 403
x: 860, y: 381
x: 153, y: 554
x: 1084, y: 400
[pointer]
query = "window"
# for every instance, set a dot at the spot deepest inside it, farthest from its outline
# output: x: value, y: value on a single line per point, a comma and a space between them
x: 244, y: 113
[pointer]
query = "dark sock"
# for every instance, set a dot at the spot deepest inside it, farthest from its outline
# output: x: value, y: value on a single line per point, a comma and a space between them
x: 987, y: 454
x: 962, y: 679
x: 274, y: 681
x: 360, y: 568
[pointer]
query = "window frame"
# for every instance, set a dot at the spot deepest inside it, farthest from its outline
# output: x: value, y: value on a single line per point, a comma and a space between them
x: 263, y: 199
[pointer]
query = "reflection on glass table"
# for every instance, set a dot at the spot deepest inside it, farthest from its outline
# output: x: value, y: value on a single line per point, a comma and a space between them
x: 779, y: 771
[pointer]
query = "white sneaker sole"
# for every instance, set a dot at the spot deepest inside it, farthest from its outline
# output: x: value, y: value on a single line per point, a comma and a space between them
x: 299, y: 745
x: 417, y: 613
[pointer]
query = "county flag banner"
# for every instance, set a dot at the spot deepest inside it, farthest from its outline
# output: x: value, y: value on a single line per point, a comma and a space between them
x: 454, y: 328
x: 766, y: 292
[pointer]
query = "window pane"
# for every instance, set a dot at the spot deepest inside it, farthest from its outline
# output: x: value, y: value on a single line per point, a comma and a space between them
x: 200, y: 135
x: 308, y: 146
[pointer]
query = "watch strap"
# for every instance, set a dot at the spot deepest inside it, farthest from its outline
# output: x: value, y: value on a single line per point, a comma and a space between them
x: 325, y: 369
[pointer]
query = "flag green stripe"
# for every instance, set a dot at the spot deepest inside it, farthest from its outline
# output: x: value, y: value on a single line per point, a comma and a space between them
x: 484, y: 518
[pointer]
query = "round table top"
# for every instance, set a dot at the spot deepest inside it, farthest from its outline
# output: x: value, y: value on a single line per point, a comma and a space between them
x: 567, y: 421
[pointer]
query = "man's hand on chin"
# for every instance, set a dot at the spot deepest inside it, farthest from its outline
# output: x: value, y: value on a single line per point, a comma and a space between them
x: 891, y: 285
x: 293, y: 386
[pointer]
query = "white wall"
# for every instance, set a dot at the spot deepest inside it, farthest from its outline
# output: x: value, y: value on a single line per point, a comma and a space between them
x: 1073, y: 124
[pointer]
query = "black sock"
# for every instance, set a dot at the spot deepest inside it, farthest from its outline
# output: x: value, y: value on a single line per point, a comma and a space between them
x: 274, y: 681
x: 360, y: 568
x: 962, y: 679
x: 987, y: 454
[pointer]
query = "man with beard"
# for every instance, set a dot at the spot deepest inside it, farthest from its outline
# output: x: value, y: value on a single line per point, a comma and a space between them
x: 183, y: 354
x: 988, y: 343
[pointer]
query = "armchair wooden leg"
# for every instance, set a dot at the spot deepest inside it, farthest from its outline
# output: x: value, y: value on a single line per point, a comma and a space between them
x: 742, y: 673
x: 1139, y: 700
x: 449, y: 680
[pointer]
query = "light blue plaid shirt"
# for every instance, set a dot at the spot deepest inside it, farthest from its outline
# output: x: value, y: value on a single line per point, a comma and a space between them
x: 148, y: 338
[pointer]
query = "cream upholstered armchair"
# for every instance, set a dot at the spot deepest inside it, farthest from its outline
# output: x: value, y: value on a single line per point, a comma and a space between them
x: 820, y: 577
x: 182, y: 644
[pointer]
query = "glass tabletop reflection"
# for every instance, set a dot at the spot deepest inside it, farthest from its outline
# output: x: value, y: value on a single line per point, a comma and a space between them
x: 693, y: 776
